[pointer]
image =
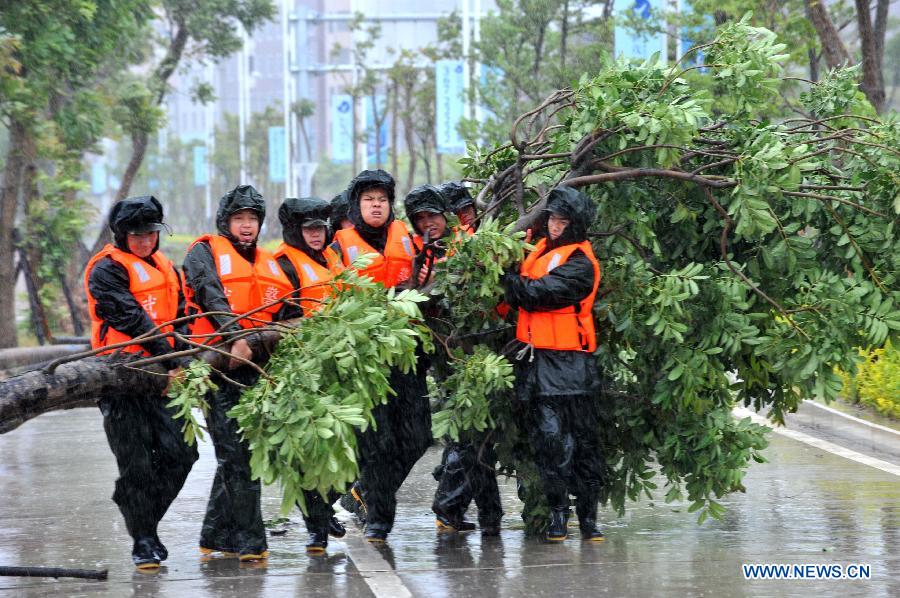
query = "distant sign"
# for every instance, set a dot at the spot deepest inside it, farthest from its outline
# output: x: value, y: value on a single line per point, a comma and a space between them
x: 200, y: 175
x: 277, y: 159
x: 449, y: 105
x: 341, y: 128
x: 633, y: 44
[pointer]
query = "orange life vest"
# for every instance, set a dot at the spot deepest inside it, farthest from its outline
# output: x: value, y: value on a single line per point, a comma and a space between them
x: 314, y: 277
x: 390, y: 268
x: 156, y: 289
x: 567, y: 329
x: 247, y: 286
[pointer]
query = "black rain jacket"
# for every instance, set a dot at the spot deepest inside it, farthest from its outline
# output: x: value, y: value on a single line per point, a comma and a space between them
x: 546, y: 372
x: 110, y: 286
x: 200, y: 271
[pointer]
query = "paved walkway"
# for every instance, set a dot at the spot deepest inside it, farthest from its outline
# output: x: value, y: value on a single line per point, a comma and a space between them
x: 805, y: 506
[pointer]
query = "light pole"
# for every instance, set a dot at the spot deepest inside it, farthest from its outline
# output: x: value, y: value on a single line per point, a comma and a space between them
x: 288, y: 98
x: 242, y: 106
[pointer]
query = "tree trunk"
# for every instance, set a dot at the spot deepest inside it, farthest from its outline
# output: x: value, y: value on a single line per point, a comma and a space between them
x: 138, y: 150
x: 427, y: 162
x: 409, y: 133
x: 82, y: 382
x: 306, y: 142
x: 9, y: 202
x: 832, y: 47
x: 394, y: 149
x: 378, y: 117
x: 872, y: 80
x: 563, y: 36
x: 439, y: 166
x: 13, y: 360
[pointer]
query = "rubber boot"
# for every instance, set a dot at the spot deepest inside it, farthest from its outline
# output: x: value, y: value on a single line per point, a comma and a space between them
x: 586, y: 509
x: 336, y: 529
x: 376, y: 533
x: 559, y: 522
x: 453, y: 524
x: 144, y: 554
x: 490, y: 529
x: 318, y: 541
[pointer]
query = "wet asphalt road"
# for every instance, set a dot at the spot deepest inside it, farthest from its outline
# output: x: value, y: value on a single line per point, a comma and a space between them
x: 804, y: 506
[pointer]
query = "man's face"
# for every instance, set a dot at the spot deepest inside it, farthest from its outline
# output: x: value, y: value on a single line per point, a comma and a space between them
x: 466, y: 215
x: 142, y: 244
x: 345, y: 223
x: 433, y: 224
x: 244, y: 226
x: 314, y: 236
x: 556, y: 225
x: 374, y: 206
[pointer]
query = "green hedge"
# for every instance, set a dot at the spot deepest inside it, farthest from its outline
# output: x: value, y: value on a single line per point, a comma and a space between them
x: 877, y: 380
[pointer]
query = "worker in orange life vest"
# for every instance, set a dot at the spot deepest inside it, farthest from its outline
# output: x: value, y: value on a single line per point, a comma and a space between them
x: 402, y: 434
x: 304, y: 226
x: 556, y: 373
x: 460, y: 203
x: 466, y: 470
x: 340, y: 208
x: 229, y: 273
x: 133, y: 288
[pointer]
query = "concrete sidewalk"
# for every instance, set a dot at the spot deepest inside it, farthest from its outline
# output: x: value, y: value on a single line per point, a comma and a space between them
x: 804, y: 506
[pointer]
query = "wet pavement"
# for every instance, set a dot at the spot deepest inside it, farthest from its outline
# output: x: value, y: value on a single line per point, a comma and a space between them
x: 804, y: 506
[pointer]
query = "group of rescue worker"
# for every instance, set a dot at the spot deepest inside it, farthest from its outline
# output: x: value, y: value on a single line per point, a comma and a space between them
x: 133, y: 289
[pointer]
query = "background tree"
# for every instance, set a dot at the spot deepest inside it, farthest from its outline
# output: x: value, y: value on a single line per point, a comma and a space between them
x: 203, y: 29
x: 871, y: 25
x: 55, y: 57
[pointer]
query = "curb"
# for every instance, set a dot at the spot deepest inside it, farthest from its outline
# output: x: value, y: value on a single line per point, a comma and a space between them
x: 872, y: 439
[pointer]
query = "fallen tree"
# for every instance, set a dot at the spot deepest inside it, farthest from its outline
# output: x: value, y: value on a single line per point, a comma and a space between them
x: 80, y: 379
x: 745, y: 255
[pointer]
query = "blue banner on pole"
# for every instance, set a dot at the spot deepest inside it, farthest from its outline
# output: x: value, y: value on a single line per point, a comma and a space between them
x: 341, y: 128
x: 382, y: 135
x: 638, y: 44
x: 450, y: 105
x: 98, y: 178
x: 200, y: 175
x: 277, y: 159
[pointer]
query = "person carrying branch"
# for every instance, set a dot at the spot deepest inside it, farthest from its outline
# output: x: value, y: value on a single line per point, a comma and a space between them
x: 467, y: 470
x: 133, y: 289
x: 402, y: 431
x: 228, y: 274
x: 340, y: 207
x: 554, y: 293
x: 304, y: 226
x: 461, y: 203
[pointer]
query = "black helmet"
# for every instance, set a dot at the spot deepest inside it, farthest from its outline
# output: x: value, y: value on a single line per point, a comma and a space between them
x: 135, y: 215
x: 424, y: 198
x: 294, y: 214
x: 574, y: 205
x: 340, y: 208
x: 457, y: 196
x: 242, y: 197
x: 369, y: 179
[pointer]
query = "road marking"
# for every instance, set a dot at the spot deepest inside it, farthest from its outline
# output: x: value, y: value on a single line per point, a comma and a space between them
x: 855, y: 419
x: 374, y: 569
x: 830, y: 447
